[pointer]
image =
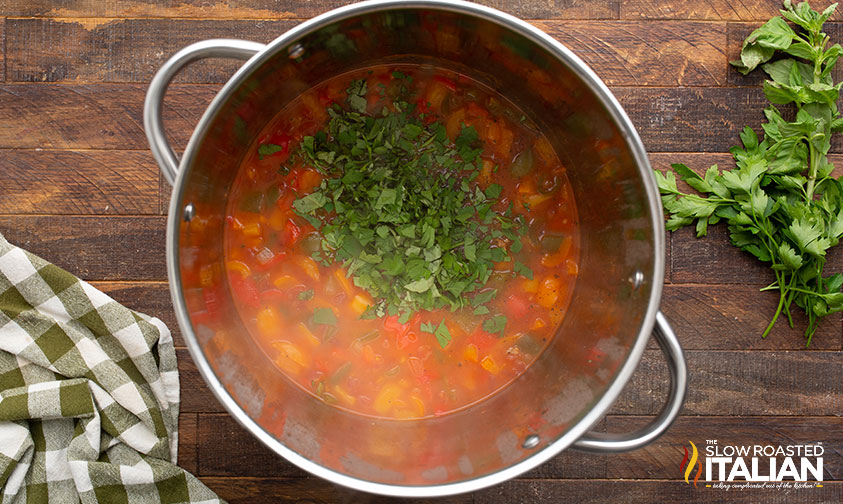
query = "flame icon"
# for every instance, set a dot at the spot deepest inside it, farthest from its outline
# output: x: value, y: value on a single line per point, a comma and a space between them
x: 690, y: 467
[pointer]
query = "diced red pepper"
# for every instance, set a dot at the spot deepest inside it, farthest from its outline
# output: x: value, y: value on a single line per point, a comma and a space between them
x: 244, y: 290
x: 293, y: 232
x: 391, y: 324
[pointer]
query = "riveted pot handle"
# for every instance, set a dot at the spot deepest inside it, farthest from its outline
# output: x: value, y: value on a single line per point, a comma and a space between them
x: 152, y: 122
x: 615, y: 443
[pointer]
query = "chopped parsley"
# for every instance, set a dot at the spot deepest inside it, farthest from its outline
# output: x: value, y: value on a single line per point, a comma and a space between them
x: 400, y: 211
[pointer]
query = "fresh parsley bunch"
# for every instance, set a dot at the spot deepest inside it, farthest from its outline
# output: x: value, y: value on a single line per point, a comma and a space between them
x: 780, y: 202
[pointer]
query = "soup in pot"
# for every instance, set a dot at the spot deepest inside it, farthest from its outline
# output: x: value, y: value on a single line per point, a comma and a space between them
x: 401, y: 241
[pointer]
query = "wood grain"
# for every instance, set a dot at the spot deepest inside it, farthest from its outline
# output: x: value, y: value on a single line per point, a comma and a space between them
x: 96, y: 116
x: 647, y: 54
x: 593, y: 492
x: 738, y: 383
x: 122, y: 50
x: 78, y: 182
x: 660, y: 460
x: 93, y: 248
x: 622, y: 53
x: 109, y: 116
x: 778, y: 383
x: 716, y: 317
x: 286, y: 9
x: 188, y: 442
x: 742, y: 10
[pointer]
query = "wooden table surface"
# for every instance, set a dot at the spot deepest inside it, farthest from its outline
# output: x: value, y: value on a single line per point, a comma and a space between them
x: 79, y: 187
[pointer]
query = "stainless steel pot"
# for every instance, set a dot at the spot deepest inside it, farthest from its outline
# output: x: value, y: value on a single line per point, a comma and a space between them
x: 615, y: 301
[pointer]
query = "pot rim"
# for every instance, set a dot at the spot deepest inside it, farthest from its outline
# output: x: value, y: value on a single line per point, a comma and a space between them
x: 633, y: 141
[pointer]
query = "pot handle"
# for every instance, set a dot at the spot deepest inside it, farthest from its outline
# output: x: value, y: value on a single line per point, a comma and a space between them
x: 615, y: 443
x: 152, y: 122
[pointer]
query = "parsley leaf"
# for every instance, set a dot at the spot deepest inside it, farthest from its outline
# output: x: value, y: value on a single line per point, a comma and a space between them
x: 780, y: 202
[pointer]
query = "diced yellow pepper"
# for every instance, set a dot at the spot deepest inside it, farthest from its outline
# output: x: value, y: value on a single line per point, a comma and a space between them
x: 530, y: 286
x: 239, y: 267
x: 307, y: 335
x: 268, y: 322
x: 361, y: 303
x: 419, y: 404
x: 490, y: 365
x: 206, y: 275
x: 534, y: 200
x: 252, y: 229
x: 386, y: 397
x: 290, y: 358
x: 344, y: 396
x: 284, y: 281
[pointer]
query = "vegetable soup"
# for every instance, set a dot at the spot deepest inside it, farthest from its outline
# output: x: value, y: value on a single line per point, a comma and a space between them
x: 401, y: 241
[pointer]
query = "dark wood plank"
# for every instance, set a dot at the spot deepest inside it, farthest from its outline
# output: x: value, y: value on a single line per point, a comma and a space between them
x: 229, y: 450
x: 286, y: 9
x: 660, y: 460
x: 743, y: 10
x: 737, y: 383
x: 97, y: 116
x: 151, y: 298
x: 647, y: 54
x: 188, y: 442
x: 312, y: 490
x: 78, y: 182
x: 593, y: 492
x: 716, y: 317
x: 691, y: 119
x: 3, y: 55
x: 109, y: 116
x: 131, y: 50
x: 94, y: 248
x: 721, y: 383
x: 121, y: 50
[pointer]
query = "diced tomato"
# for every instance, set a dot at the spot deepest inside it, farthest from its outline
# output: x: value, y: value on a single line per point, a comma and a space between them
x: 391, y: 323
x: 516, y: 307
x: 273, y: 296
x: 244, y: 289
x: 293, y: 232
x: 446, y: 81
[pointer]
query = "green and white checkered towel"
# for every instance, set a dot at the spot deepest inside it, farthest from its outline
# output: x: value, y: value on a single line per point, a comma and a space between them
x: 89, y: 394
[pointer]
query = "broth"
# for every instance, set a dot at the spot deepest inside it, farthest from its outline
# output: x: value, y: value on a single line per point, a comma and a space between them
x: 326, y: 329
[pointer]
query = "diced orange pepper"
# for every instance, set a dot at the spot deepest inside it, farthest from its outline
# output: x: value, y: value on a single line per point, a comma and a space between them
x: 545, y: 151
x: 309, y: 180
x: 309, y: 266
x: 538, y: 324
x: 343, y: 280
x: 470, y: 353
x: 535, y: 200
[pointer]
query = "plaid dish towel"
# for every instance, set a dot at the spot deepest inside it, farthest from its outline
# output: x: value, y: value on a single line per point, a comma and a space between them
x: 89, y: 394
